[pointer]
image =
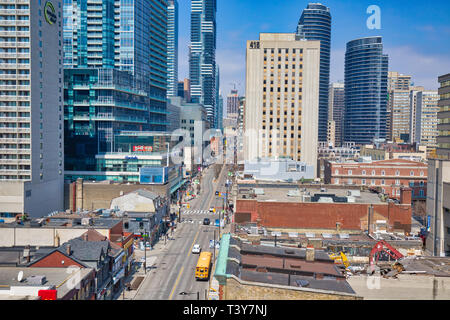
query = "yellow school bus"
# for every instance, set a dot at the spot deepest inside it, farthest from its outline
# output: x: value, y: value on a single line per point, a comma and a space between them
x: 203, y: 266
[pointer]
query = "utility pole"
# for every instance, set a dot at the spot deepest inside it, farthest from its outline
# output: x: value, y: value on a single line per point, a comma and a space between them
x: 214, y: 247
x: 145, y: 252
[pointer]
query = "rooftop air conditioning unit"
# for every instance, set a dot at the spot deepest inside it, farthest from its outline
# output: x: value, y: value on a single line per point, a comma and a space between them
x: 86, y: 221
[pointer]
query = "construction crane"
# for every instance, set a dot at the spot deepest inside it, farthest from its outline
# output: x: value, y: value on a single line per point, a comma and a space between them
x: 383, y: 246
x: 340, y: 258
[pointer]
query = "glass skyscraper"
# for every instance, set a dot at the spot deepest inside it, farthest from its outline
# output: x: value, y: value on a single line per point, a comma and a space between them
x: 202, y: 56
x: 366, y: 73
x: 315, y: 24
x: 172, y: 48
x: 115, y: 77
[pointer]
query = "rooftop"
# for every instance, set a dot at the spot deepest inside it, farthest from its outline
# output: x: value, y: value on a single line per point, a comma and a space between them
x: 298, y: 193
x: 279, y: 266
x: 55, y: 277
x: 68, y: 221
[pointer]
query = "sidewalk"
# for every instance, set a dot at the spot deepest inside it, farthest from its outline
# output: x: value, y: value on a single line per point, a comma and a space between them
x: 157, y: 250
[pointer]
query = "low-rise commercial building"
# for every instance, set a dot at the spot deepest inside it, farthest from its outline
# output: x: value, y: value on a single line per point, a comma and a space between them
x: 389, y: 151
x: 258, y: 272
x: 320, y: 209
x: 53, y: 231
x: 47, y: 283
x: 278, y: 170
x: 423, y: 278
x: 143, y: 212
x: 438, y: 208
x: 389, y: 176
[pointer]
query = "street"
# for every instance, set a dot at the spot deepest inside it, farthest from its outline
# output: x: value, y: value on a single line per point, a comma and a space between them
x: 172, y: 275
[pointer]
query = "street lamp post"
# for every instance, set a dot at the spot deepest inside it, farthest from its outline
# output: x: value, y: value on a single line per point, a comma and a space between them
x: 145, y: 252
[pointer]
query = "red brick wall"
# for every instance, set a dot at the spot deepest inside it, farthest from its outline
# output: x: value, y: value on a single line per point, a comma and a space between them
x: 397, y: 170
x: 323, y: 215
x: 54, y: 260
x: 117, y: 229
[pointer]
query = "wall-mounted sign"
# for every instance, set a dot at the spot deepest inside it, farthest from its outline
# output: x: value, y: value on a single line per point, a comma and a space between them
x: 49, y: 13
x: 142, y: 148
x: 254, y: 45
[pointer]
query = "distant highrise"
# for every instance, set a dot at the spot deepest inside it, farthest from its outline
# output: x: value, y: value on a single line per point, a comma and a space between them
x: 413, y: 91
x: 315, y: 24
x: 172, y: 48
x: 336, y: 110
x: 398, y: 81
x: 282, y: 98
x: 366, y: 71
x: 443, y: 140
x: 31, y: 108
x: 202, y: 56
x: 399, y: 115
x: 233, y: 102
x: 219, y: 102
x: 398, y: 112
x: 425, y: 127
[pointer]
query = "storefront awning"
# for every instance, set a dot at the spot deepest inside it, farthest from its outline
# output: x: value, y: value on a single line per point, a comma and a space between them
x: 178, y: 186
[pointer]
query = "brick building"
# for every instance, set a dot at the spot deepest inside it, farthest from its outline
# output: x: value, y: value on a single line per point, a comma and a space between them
x: 322, y: 210
x: 258, y: 272
x: 386, y: 176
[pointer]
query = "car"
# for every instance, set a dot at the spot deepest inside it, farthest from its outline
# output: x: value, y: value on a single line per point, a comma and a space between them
x: 206, y: 222
x: 211, y: 209
x: 196, y: 248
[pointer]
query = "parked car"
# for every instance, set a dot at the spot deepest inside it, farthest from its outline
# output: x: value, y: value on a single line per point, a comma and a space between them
x: 196, y: 248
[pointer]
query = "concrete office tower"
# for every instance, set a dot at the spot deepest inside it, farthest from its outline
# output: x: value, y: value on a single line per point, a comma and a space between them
x: 202, y: 56
x: 398, y: 87
x: 443, y: 140
x: 413, y: 107
x: 336, y: 109
x: 366, y: 71
x: 315, y: 24
x: 172, y: 48
x: 31, y: 107
x: 282, y: 91
x: 398, y: 81
x: 233, y: 102
x: 399, y: 115
x: 425, y: 127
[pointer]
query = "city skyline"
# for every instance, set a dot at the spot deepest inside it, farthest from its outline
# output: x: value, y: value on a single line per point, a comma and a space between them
x: 420, y: 38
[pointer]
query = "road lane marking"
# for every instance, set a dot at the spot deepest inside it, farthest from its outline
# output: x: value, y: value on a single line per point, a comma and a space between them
x: 181, y: 271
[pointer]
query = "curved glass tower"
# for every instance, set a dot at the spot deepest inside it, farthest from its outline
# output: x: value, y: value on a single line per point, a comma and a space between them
x: 315, y: 24
x: 366, y: 72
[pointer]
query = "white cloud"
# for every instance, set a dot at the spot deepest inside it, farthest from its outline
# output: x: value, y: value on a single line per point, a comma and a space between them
x: 232, y: 69
x: 424, y: 68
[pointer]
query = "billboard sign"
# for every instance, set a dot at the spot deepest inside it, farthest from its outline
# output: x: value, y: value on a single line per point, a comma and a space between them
x: 153, y: 175
x: 142, y: 148
x: 48, y: 294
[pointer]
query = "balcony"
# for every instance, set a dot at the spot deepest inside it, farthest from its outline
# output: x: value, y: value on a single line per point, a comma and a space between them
x: 7, y: 65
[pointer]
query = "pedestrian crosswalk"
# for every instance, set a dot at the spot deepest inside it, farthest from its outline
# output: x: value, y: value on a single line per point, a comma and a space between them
x: 193, y: 212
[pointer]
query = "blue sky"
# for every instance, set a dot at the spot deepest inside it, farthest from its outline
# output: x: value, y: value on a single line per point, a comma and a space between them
x: 416, y: 34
